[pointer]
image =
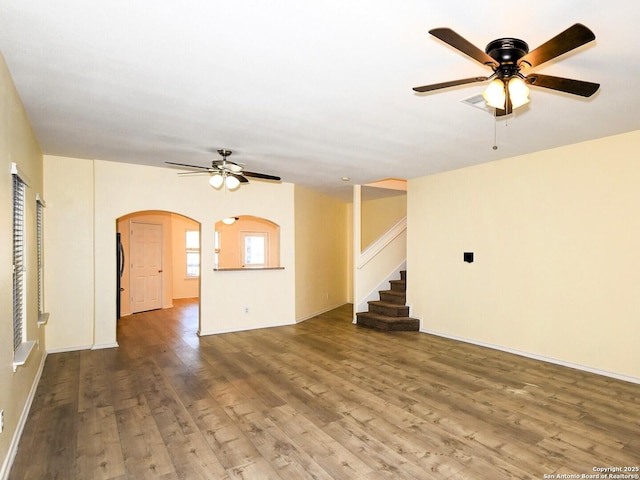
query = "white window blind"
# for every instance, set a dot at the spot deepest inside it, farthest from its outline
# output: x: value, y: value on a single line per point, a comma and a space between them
x: 43, y: 317
x: 39, y: 208
x: 18, y: 259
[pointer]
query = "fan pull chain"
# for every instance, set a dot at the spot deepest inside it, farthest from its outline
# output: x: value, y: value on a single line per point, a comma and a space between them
x: 495, y: 130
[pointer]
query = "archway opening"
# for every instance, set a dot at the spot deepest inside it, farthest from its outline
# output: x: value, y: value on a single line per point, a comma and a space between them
x: 158, y: 262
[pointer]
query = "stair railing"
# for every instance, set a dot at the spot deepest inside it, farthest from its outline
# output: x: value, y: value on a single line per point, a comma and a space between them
x: 378, y: 264
x: 381, y: 243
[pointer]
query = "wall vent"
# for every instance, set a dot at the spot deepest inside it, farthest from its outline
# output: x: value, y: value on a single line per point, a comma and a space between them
x: 477, y: 101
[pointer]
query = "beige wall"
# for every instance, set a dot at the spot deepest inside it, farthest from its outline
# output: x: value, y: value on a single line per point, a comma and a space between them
x: 556, y: 239
x: 323, y: 263
x: 68, y: 230
x: 380, y: 213
x: 17, y: 144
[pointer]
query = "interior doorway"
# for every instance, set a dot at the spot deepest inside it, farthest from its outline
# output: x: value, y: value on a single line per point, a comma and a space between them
x: 158, y: 261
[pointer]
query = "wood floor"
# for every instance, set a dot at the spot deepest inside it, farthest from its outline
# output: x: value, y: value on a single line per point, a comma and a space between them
x: 323, y: 399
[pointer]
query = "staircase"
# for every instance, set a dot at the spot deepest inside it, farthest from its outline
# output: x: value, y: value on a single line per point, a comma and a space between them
x: 390, y: 312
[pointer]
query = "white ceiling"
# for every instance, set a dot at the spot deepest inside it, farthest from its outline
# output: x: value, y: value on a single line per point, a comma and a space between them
x: 310, y: 91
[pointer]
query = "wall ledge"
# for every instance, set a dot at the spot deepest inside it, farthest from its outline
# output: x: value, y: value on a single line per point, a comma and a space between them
x: 22, y: 353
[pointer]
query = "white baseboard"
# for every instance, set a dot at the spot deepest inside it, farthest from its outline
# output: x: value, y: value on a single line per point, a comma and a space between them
x: 101, y: 346
x: 13, y: 447
x: 243, y: 329
x: 83, y: 347
x: 535, y: 356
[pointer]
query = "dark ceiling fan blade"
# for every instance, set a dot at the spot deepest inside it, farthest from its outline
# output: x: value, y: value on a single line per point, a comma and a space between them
x: 568, y: 85
x: 189, y: 166
x: 264, y: 176
x: 239, y: 177
x: 453, y: 83
x: 573, y: 37
x: 195, y: 172
x: 465, y: 46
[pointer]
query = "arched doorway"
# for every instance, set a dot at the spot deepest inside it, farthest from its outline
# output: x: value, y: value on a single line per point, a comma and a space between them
x: 158, y: 261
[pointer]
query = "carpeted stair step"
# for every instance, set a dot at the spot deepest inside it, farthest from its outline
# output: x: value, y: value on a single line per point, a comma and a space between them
x: 398, y: 285
x: 390, y: 313
x: 388, y: 324
x: 388, y: 309
x: 393, y: 296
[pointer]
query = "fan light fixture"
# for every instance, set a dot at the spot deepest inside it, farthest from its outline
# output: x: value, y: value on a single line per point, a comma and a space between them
x: 508, y: 57
x: 518, y: 92
x: 220, y: 179
x: 216, y: 181
x: 495, y: 94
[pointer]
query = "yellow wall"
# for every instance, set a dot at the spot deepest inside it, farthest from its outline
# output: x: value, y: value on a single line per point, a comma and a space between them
x: 556, y: 238
x: 380, y: 214
x: 323, y: 263
x: 17, y: 144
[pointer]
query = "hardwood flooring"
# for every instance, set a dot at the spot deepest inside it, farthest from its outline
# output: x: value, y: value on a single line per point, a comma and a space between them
x: 323, y: 399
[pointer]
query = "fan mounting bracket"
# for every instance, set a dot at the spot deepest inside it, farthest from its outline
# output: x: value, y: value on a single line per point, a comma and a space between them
x: 507, y: 51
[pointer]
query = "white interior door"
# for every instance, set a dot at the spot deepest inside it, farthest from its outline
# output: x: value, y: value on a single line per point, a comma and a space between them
x: 145, y: 266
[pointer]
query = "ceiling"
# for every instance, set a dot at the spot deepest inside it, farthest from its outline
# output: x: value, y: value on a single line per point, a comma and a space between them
x: 310, y: 91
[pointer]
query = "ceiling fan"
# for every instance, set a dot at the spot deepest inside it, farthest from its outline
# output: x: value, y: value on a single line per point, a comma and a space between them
x: 225, y: 172
x: 508, y: 57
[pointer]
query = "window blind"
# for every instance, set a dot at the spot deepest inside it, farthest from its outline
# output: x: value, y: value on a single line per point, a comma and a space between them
x: 18, y: 259
x: 40, y: 259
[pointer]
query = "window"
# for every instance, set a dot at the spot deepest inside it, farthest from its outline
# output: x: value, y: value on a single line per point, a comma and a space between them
x: 42, y: 316
x: 255, y: 248
x: 18, y: 260
x: 192, y: 243
x: 21, y: 347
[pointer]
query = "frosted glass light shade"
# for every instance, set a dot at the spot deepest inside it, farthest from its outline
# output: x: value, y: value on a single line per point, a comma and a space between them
x: 495, y: 95
x: 232, y: 182
x: 518, y: 92
x: 216, y: 180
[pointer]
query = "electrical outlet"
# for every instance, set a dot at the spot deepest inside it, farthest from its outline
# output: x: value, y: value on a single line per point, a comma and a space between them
x: 1, y: 420
x: 246, y: 309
